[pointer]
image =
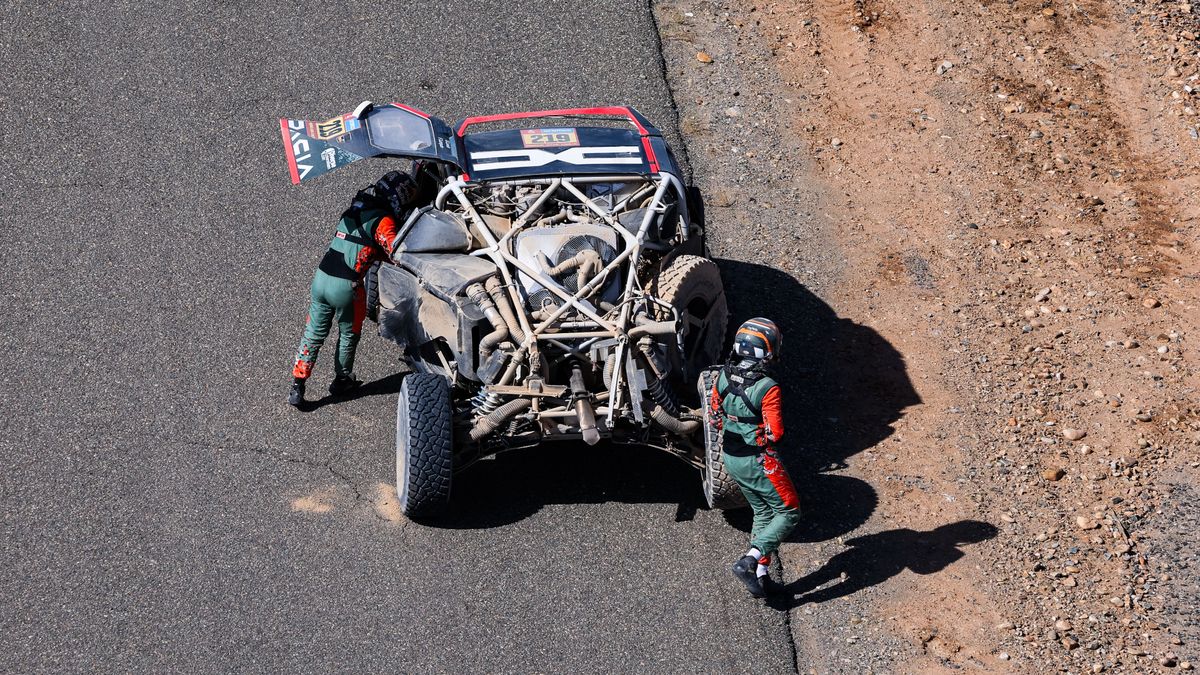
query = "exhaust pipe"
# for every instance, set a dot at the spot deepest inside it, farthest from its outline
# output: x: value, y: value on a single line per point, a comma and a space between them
x: 583, y: 408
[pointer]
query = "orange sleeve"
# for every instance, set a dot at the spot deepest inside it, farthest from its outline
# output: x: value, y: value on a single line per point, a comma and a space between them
x: 714, y: 403
x: 385, y: 233
x: 772, y: 411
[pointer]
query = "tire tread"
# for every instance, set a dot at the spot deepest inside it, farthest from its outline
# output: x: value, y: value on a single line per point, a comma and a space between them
x: 429, y: 451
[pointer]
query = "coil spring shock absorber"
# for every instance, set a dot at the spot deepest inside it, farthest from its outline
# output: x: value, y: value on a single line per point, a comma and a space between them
x: 660, y: 395
x: 485, y: 402
x: 655, y: 386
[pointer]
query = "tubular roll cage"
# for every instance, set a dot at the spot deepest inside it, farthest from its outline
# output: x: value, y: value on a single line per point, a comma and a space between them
x: 500, y: 252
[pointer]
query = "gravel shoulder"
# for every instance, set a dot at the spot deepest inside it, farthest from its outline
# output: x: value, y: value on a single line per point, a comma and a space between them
x: 999, y: 200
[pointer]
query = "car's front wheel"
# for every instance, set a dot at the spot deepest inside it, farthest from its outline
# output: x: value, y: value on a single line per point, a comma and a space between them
x: 424, y: 445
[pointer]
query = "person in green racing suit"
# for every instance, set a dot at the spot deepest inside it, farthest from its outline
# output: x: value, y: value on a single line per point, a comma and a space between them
x: 747, y: 407
x: 365, y: 233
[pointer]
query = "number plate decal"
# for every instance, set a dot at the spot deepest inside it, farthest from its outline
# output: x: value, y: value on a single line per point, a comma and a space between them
x: 549, y: 138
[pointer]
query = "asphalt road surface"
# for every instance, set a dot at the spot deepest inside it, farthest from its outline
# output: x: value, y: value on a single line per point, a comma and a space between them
x: 163, y: 508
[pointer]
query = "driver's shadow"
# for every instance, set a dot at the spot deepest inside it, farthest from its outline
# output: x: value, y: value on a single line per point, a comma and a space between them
x: 875, y: 558
x: 384, y: 386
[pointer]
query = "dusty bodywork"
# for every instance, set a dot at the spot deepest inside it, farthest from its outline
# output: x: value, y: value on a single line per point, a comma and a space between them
x: 551, y: 285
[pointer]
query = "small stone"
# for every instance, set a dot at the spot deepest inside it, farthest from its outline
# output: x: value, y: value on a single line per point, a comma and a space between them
x: 1150, y: 303
x: 1053, y: 474
x: 1186, y: 665
x: 1062, y: 625
x: 703, y: 57
x: 1048, y: 12
x: 1097, y: 667
x: 1042, y: 295
x: 1144, y: 417
x: 943, y: 67
x: 733, y: 111
x: 1035, y: 134
x: 1073, y: 434
x: 1003, y: 656
x: 1168, y: 660
x: 836, y: 142
x: 1163, y: 349
x: 1070, y: 643
x: 1004, y: 625
x: 1085, y: 523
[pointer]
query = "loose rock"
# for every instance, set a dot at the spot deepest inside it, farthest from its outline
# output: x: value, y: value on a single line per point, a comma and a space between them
x: 1053, y: 474
x: 1150, y: 303
x: 1073, y: 434
x: 703, y: 57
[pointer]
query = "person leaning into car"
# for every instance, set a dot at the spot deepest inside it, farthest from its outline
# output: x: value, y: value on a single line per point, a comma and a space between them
x: 365, y: 233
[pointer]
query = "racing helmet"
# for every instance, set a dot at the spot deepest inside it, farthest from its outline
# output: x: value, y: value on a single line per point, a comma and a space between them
x: 396, y: 189
x: 758, y: 339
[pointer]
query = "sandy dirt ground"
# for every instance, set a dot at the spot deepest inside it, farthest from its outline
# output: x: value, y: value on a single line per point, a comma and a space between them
x: 995, y: 204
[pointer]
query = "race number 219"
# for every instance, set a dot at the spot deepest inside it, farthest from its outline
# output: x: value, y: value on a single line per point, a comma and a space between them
x: 549, y: 138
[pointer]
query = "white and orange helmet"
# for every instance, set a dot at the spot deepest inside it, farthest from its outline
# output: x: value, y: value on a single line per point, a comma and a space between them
x: 758, y: 339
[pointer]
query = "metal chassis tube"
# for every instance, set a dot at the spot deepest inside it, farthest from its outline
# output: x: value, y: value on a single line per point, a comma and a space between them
x: 498, y: 251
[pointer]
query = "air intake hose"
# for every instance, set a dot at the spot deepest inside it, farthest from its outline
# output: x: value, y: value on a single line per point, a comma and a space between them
x: 492, y: 421
x: 670, y: 423
x: 500, y: 333
x: 500, y: 297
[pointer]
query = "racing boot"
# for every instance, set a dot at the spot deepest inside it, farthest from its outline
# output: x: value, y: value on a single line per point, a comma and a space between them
x: 744, y: 570
x: 296, y: 395
x: 344, y: 384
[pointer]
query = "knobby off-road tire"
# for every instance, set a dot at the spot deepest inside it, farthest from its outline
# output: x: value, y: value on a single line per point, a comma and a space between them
x: 424, y: 445
x: 371, y: 290
x: 720, y: 489
x: 692, y: 285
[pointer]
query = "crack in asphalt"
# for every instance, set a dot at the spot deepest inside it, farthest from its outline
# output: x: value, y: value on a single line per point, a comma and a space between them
x: 787, y: 621
x: 685, y: 158
x: 269, y: 454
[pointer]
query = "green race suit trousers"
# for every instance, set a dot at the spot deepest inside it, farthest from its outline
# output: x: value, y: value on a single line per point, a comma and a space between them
x: 771, y: 495
x: 332, y: 297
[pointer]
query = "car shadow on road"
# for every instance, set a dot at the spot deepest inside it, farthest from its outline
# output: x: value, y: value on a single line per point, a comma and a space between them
x: 383, y: 386
x: 843, y: 385
x: 515, y: 485
x: 875, y: 558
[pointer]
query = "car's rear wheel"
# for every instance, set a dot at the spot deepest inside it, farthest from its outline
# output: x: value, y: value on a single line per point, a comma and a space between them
x: 692, y: 285
x: 721, y: 491
x: 424, y: 445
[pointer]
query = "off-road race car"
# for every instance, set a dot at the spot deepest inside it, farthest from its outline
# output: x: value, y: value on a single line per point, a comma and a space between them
x: 550, y: 285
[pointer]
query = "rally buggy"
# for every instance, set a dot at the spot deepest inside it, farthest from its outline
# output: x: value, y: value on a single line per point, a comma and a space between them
x: 552, y: 285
